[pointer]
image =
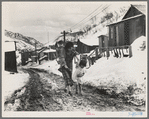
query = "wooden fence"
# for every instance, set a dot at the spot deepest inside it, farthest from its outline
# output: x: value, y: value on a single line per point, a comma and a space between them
x: 116, y: 51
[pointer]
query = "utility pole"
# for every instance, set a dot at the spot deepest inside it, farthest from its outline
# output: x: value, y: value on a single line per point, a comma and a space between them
x: 64, y: 33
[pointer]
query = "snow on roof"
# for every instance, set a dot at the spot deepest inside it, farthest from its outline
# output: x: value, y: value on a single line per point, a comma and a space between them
x: 6, y: 39
x: 93, y: 38
x: 90, y: 42
x: 50, y: 43
x: 51, y: 50
x: 8, y: 44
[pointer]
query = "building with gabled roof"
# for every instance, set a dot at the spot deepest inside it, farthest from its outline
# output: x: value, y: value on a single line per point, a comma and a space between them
x: 135, y: 10
x: 132, y: 26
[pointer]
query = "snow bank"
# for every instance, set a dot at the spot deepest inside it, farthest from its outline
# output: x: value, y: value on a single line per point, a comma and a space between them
x: 12, y: 82
x: 18, y: 56
x: 118, y: 74
x: 50, y: 66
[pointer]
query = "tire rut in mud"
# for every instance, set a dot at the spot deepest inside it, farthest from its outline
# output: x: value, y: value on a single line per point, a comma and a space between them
x: 36, y: 97
x: 92, y: 99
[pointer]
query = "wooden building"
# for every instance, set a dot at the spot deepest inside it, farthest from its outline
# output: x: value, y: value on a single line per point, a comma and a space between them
x: 85, y: 48
x: 132, y: 26
x: 103, y: 41
x: 9, y: 50
x: 50, y: 53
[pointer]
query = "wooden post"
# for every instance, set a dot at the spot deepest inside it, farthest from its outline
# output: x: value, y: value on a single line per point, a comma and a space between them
x: 122, y: 51
x: 96, y: 53
x: 15, y: 45
x: 64, y: 33
x: 64, y: 37
x: 48, y: 55
x: 130, y: 51
x: 15, y: 54
x: 108, y: 53
x: 119, y: 52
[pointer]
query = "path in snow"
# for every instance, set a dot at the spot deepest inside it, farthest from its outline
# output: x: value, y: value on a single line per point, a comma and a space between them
x: 44, y: 92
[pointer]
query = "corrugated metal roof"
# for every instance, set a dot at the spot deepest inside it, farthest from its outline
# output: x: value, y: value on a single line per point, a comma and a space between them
x: 141, y: 8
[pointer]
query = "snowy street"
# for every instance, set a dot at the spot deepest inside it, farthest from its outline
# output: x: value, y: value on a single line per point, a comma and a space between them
x: 41, y: 95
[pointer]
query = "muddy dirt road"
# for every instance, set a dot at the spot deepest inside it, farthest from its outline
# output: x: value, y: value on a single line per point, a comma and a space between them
x: 44, y: 92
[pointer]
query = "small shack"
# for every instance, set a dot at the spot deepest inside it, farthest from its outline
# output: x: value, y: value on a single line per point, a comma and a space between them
x: 50, y: 53
x: 129, y: 28
x: 103, y: 41
x: 9, y: 48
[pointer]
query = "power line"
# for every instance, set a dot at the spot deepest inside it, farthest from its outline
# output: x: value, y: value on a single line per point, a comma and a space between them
x: 93, y: 16
x: 103, y: 8
x: 86, y: 17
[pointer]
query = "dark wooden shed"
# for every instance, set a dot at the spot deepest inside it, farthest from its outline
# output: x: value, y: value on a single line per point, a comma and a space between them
x: 132, y: 26
x: 103, y: 41
x: 9, y: 50
x: 84, y: 48
x: 10, y: 61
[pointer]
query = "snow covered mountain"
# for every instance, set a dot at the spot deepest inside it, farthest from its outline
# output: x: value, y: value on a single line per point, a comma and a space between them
x: 23, y: 42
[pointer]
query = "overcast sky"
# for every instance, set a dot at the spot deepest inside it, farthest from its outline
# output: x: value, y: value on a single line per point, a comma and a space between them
x: 37, y: 19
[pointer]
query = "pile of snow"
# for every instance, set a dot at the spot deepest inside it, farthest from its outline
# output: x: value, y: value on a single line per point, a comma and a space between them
x: 12, y: 82
x: 18, y: 57
x: 118, y: 74
x: 50, y: 66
